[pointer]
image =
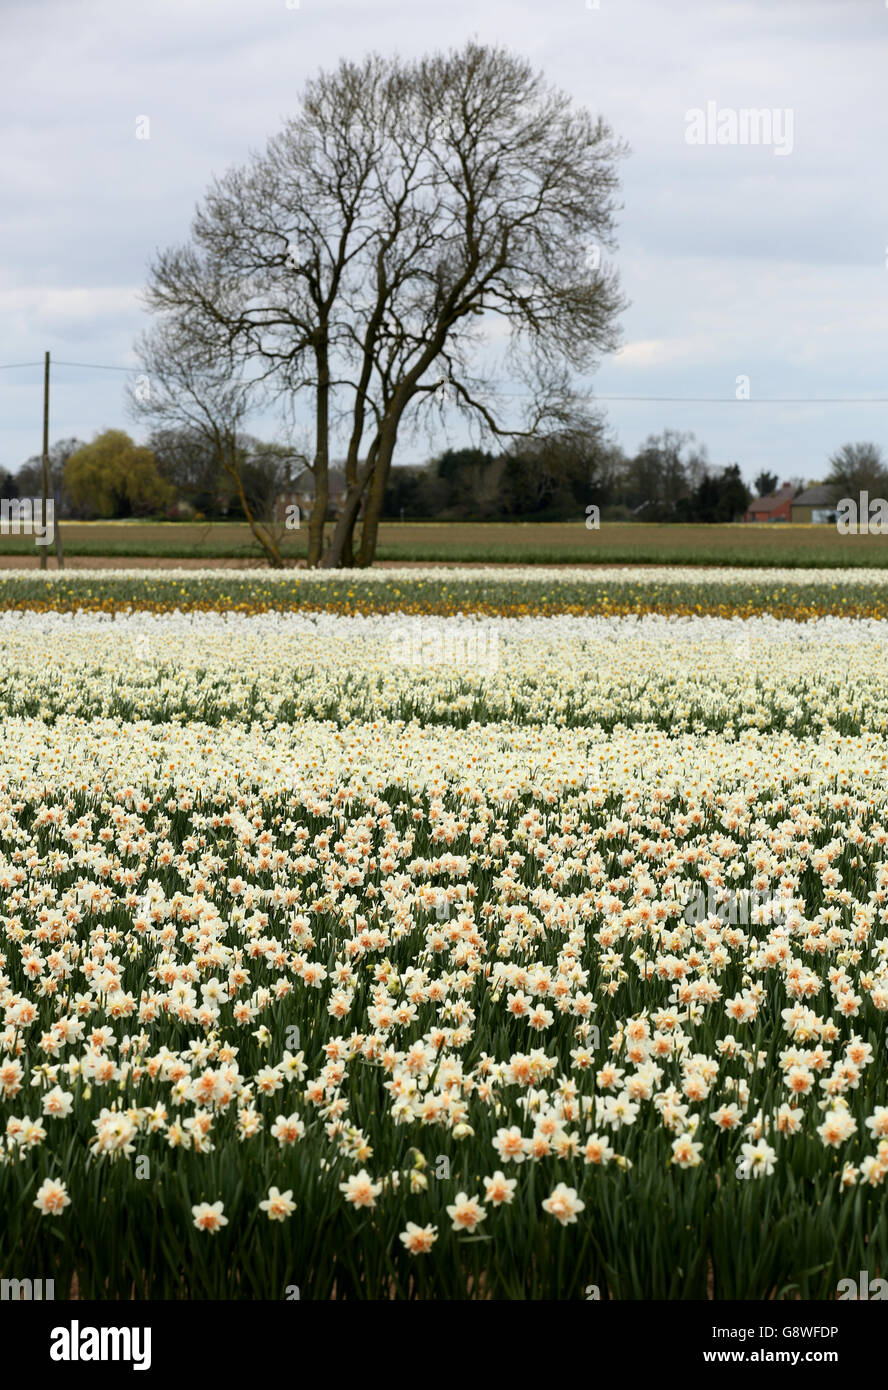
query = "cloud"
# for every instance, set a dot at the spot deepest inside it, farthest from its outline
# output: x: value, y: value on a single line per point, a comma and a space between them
x: 656, y: 352
x: 734, y: 261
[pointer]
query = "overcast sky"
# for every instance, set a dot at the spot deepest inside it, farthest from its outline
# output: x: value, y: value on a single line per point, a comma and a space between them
x: 766, y: 261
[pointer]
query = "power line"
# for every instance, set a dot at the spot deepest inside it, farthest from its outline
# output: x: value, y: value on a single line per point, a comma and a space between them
x: 517, y: 395
x: 58, y: 362
x: 725, y: 400
x: 754, y: 400
x: 95, y: 366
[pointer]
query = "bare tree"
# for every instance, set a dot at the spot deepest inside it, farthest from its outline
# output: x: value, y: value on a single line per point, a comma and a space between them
x: 184, y: 388
x: 363, y: 257
x: 273, y: 242
x: 512, y: 197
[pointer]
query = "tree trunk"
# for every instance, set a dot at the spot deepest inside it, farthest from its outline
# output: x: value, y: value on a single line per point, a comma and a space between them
x: 347, y: 557
x: 348, y: 552
x: 373, y: 509
x: 348, y: 543
x: 351, y: 478
x: 261, y: 533
x: 350, y: 508
x: 321, y: 470
x: 375, y: 472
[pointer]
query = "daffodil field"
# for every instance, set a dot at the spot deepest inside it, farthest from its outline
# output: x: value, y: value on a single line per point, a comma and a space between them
x: 508, y: 591
x: 468, y: 935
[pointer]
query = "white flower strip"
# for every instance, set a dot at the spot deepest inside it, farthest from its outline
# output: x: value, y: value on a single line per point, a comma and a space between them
x: 694, y: 674
x: 512, y: 574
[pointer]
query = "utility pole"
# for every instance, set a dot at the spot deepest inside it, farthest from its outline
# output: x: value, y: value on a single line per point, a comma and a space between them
x: 45, y: 453
x: 56, y: 529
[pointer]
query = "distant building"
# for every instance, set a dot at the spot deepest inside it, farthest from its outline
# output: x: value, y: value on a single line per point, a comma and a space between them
x: 777, y: 506
x: 301, y: 495
x: 816, y: 505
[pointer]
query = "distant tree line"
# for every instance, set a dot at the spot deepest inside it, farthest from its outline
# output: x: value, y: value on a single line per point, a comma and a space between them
x: 177, y: 474
x: 555, y: 479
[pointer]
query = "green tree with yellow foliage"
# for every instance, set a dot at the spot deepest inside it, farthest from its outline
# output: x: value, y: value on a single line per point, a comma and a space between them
x: 113, y: 477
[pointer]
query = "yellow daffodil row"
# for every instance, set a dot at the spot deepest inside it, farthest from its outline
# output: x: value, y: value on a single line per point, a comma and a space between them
x: 507, y: 591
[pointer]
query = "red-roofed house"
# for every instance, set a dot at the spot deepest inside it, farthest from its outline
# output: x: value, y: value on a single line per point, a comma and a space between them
x: 777, y: 506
